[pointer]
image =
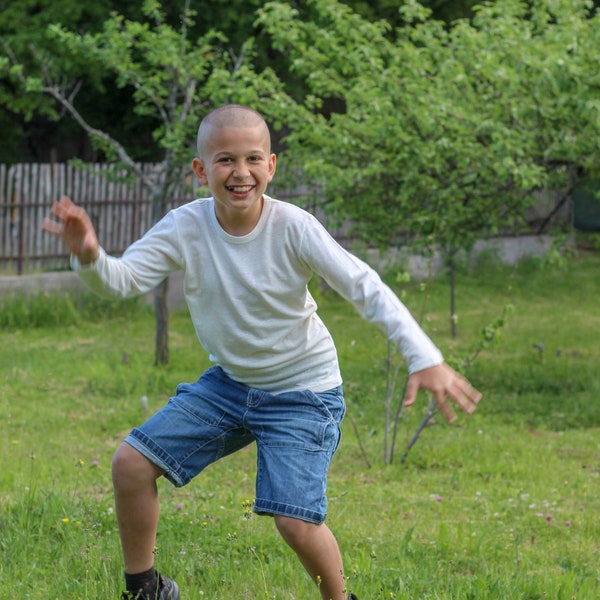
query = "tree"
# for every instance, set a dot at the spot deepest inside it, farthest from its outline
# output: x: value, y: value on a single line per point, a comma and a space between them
x: 432, y: 133
x: 31, y: 123
x: 174, y: 82
x: 389, y: 10
x: 32, y: 131
x: 23, y: 34
x: 442, y: 133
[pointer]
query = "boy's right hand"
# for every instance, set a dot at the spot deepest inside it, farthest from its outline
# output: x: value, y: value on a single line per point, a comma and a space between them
x: 73, y: 225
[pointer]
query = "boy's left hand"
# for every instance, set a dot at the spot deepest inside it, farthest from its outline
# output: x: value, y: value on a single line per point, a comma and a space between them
x: 443, y: 382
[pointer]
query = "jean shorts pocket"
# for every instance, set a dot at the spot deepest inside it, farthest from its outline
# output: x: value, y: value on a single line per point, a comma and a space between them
x: 199, y: 412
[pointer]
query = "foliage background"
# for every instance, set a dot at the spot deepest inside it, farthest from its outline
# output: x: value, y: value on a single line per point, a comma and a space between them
x: 503, y: 505
x: 29, y: 125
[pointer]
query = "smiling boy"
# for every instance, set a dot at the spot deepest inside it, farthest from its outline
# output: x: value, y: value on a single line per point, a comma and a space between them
x: 276, y: 382
x: 237, y: 168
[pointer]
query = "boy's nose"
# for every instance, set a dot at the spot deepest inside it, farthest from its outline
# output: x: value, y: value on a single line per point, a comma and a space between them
x: 240, y: 170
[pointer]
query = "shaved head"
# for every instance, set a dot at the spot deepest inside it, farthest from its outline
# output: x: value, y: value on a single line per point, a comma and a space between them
x: 230, y: 115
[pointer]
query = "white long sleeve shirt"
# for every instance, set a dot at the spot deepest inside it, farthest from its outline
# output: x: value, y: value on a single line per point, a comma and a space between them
x: 248, y: 295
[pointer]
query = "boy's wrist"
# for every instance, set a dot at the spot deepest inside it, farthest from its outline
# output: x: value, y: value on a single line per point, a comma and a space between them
x: 88, y: 258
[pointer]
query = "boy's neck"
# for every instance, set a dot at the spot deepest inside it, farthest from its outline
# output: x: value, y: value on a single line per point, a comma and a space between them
x: 239, y: 223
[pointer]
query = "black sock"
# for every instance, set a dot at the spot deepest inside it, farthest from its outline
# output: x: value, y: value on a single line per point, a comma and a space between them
x: 145, y: 584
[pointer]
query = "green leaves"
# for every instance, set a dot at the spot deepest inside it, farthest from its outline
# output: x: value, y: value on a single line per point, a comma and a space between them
x: 428, y: 129
x: 435, y: 128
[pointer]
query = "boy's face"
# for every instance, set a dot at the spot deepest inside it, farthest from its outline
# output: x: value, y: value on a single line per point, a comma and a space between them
x: 237, y: 165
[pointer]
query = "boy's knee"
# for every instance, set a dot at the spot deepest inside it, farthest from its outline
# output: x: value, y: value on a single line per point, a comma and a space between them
x: 294, y: 531
x: 130, y: 466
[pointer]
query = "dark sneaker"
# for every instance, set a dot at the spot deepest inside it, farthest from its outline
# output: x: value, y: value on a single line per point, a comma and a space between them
x: 167, y: 590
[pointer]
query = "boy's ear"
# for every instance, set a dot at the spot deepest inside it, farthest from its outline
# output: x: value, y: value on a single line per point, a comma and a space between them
x: 199, y: 170
x: 272, y: 166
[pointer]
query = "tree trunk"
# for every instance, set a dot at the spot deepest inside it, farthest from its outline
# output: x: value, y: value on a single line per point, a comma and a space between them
x: 452, y: 273
x: 161, y: 313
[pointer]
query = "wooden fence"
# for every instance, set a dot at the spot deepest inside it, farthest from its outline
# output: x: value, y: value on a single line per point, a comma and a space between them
x: 120, y: 209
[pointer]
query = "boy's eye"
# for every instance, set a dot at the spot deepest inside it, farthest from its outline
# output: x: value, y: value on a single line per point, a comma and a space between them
x: 228, y: 159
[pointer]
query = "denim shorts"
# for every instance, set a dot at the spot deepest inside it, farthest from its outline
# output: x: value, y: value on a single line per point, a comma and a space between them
x: 296, y: 434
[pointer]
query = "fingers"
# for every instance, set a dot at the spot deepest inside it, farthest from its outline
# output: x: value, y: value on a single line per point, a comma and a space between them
x: 61, y: 208
x: 412, y: 388
x: 65, y: 213
x: 61, y: 211
x: 72, y: 223
x: 443, y: 382
x: 444, y: 408
x: 464, y: 394
x: 52, y: 226
x: 461, y: 392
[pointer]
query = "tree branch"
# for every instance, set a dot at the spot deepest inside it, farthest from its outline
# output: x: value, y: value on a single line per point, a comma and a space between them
x: 123, y: 155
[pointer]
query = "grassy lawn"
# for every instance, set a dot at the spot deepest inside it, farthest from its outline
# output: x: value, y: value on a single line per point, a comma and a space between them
x: 500, y: 505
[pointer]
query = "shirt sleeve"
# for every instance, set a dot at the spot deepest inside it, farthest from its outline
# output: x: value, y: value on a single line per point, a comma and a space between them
x: 141, y: 268
x: 360, y: 284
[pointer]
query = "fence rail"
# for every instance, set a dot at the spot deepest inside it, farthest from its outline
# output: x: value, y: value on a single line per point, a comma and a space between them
x: 120, y: 209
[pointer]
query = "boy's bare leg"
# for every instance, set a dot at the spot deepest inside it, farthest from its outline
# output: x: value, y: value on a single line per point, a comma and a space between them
x: 137, y: 507
x: 318, y: 551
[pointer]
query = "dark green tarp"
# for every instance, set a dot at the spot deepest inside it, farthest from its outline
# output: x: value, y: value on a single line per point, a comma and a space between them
x: 586, y: 208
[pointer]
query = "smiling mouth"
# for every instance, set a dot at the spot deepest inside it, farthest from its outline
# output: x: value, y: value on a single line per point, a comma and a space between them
x: 240, y: 189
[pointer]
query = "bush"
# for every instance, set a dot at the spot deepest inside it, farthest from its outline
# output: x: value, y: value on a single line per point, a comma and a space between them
x: 46, y: 309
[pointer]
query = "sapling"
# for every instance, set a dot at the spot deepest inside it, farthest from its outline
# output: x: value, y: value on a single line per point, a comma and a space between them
x: 490, y: 335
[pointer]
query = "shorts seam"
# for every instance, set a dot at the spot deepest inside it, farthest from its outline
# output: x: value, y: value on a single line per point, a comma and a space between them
x: 271, y: 507
x: 157, y: 455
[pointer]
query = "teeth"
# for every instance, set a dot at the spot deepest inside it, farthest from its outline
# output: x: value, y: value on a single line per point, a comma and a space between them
x: 240, y: 189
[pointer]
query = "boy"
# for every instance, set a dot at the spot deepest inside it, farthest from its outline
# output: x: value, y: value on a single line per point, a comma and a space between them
x: 247, y: 260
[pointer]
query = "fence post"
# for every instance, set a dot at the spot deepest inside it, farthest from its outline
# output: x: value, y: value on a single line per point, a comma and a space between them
x: 21, y: 237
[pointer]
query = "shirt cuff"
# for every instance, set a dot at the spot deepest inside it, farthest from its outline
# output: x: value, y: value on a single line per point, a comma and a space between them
x: 77, y: 266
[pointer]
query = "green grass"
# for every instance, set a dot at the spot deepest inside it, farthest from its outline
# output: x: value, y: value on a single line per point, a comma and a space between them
x: 502, y: 505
